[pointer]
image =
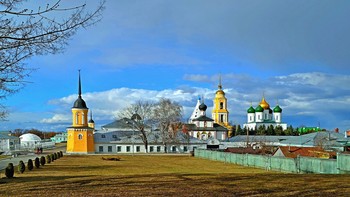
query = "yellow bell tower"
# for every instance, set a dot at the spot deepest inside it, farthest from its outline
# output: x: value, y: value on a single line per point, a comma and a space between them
x: 80, y: 136
x: 220, y: 113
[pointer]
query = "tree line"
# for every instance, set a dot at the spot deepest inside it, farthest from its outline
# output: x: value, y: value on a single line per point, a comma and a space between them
x: 41, y: 134
x: 263, y: 130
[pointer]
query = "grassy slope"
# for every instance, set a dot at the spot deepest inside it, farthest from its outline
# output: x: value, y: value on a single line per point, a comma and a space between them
x: 165, y: 176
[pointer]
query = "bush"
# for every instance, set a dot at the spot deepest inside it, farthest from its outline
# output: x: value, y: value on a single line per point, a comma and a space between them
x: 52, y: 157
x: 21, y: 167
x: 42, y: 160
x: 55, y: 155
x: 58, y: 155
x: 37, y: 162
x: 48, y: 158
x: 9, y: 170
x: 30, y: 164
x: 61, y: 153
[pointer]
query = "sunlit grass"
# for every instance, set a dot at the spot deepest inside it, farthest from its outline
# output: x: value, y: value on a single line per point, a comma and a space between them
x: 4, y: 156
x: 164, y: 176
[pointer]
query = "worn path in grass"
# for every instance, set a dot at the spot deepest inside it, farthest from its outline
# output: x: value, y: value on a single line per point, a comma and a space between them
x: 165, y: 176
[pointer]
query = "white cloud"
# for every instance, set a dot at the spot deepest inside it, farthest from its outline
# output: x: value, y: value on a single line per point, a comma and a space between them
x: 57, y: 118
x: 304, y: 104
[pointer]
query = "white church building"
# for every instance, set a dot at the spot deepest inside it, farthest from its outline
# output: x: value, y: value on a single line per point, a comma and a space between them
x: 263, y: 115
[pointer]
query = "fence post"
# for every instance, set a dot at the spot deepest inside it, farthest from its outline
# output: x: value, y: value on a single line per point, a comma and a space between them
x: 338, y: 164
x: 297, y: 164
x: 268, y: 163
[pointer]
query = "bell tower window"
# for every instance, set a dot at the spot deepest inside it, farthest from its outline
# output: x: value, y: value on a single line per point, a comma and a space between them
x: 76, y: 118
x: 221, y: 105
x: 221, y: 118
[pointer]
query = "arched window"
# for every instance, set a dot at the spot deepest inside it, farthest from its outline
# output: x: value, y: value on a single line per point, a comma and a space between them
x: 80, y: 136
x: 83, y: 118
x: 221, y: 105
x: 76, y: 118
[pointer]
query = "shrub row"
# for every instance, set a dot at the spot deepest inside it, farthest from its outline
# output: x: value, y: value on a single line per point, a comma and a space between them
x: 9, y: 170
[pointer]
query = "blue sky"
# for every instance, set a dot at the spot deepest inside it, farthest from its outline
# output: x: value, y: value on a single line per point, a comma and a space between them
x: 294, y: 52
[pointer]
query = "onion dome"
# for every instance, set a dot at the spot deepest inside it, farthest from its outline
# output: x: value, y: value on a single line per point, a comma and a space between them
x: 277, y: 109
x: 264, y: 104
x: 259, y: 109
x: 80, y: 103
x: 251, y: 110
x: 202, y: 107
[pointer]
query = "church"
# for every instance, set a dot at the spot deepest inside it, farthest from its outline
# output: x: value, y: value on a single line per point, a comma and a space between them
x: 80, y: 136
x: 263, y: 115
x: 204, y: 128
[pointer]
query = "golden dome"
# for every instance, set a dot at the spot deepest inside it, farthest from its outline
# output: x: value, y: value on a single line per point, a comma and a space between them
x: 264, y: 104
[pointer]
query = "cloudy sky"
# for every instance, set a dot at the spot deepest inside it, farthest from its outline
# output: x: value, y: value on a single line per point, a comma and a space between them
x: 296, y: 53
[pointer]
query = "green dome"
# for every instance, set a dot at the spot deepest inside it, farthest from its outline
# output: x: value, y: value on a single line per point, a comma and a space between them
x: 251, y: 110
x: 277, y: 109
x: 259, y: 109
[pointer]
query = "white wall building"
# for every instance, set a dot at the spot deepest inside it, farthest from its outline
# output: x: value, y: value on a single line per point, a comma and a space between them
x: 8, y: 143
x: 29, y: 140
x: 204, y: 128
x: 263, y: 115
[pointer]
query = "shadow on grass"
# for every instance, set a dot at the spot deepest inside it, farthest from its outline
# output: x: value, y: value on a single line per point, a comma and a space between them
x: 177, y: 184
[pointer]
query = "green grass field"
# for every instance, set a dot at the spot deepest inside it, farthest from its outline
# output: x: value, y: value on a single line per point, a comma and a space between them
x: 165, y: 176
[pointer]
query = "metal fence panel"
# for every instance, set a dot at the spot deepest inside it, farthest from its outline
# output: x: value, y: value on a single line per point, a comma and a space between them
x: 297, y: 165
x: 343, y: 162
x: 283, y: 164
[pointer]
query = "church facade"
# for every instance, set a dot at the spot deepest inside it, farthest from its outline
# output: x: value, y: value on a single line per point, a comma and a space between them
x: 263, y: 115
x: 218, y: 127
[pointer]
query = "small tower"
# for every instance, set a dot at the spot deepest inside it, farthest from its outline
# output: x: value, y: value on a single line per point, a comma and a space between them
x: 80, y: 138
x: 251, y: 114
x: 220, y: 113
x: 277, y: 113
x: 196, y: 111
x: 91, y: 122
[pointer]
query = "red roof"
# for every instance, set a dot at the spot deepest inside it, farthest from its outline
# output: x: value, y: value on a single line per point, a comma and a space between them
x: 250, y: 150
x: 293, y: 152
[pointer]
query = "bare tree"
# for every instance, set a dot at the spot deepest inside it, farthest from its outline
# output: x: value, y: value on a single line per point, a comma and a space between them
x: 166, y: 114
x: 25, y: 33
x: 143, y: 109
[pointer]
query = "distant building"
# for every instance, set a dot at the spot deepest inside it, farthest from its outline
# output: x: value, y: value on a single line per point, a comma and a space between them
x: 304, y: 130
x: 294, y: 152
x: 123, y: 142
x: 347, y: 134
x: 328, y: 140
x: 263, y: 115
x: 204, y: 128
x: 8, y: 142
x: 256, y: 141
x: 60, y: 137
x: 30, y: 141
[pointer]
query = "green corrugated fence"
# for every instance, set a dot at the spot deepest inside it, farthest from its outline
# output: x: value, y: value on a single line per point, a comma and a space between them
x: 297, y: 165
